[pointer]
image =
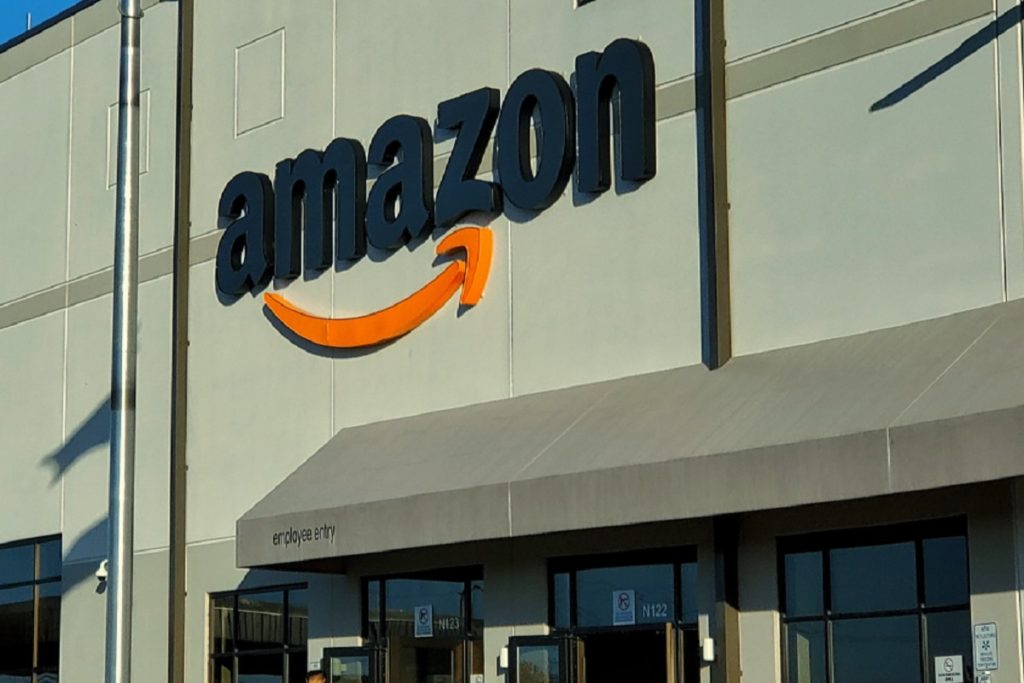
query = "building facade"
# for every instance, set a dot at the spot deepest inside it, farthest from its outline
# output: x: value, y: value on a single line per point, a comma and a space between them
x: 524, y: 341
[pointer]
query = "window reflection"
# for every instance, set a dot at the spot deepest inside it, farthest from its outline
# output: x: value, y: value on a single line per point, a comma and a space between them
x: 688, y: 579
x: 805, y: 652
x: 804, y: 591
x: 16, y: 621
x: 260, y: 635
x: 478, y: 609
x: 403, y: 596
x: 298, y: 618
x: 50, y: 559
x: 653, y: 586
x: 30, y: 596
x: 561, y: 597
x: 260, y: 620
x: 538, y: 663
x: 874, y: 578
x: 17, y: 564
x: 945, y: 571
x: 49, y: 628
x: 877, y: 649
x: 949, y: 633
x: 222, y: 624
x: 374, y: 629
x: 349, y: 669
x: 664, y: 589
x: 888, y: 610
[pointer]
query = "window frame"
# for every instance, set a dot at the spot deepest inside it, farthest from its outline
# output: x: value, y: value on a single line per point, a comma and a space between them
x: 35, y: 583
x: 380, y: 641
x: 825, y: 542
x: 285, y: 650
x: 467, y: 575
x: 572, y: 565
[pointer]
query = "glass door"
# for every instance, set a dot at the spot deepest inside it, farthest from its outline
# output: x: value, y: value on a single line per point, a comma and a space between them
x: 635, y: 614
x: 429, y: 624
x: 431, y: 660
x: 353, y: 665
x: 546, y: 659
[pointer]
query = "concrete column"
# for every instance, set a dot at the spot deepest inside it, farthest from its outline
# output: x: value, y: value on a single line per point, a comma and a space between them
x: 994, y: 551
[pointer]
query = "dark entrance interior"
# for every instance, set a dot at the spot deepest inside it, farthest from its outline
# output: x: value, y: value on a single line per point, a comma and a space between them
x: 633, y: 656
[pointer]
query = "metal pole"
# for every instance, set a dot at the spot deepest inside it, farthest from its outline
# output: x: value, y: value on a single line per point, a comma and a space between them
x: 121, y: 505
x: 28, y: 21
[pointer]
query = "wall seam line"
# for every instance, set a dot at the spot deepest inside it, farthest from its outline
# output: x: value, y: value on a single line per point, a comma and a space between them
x: 1000, y: 156
x: 67, y: 265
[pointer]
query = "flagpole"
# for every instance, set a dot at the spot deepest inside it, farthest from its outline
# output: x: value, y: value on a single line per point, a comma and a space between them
x: 121, y: 503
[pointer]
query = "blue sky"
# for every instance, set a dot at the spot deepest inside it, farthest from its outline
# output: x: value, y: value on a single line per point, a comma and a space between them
x: 13, y: 12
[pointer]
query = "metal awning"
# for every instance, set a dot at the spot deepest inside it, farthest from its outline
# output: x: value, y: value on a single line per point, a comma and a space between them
x: 921, y: 406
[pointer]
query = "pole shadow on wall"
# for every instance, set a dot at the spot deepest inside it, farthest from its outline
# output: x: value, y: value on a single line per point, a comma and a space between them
x: 92, y: 543
x: 968, y: 47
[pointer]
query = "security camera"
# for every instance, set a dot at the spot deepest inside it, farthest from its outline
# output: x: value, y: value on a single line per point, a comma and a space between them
x: 101, y: 571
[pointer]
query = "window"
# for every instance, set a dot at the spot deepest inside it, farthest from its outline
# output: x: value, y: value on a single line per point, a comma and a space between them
x: 876, y: 604
x: 428, y: 625
x: 659, y: 591
x: 259, y: 635
x: 30, y: 589
x: 664, y: 585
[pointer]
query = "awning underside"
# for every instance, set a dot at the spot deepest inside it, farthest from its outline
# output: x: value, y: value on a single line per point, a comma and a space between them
x: 925, y: 405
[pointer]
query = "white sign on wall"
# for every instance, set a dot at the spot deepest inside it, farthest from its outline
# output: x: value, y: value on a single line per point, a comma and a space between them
x: 986, y: 647
x: 424, y: 621
x: 949, y: 669
x: 623, y: 608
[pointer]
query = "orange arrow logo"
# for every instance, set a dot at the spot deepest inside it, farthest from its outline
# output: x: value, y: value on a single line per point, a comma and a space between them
x: 404, y: 316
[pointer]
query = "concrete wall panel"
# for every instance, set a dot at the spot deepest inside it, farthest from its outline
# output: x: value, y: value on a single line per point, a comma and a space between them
x: 755, y: 26
x: 86, y: 452
x: 34, y: 177
x: 31, y: 415
x: 406, y: 58
x: 94, y: 142
x: 845, y: 219
x: 610, y: 287
x: 259, y: 405
x: 83, y: 609
x: 551, y: 33
x: 222, y: 148
x: 82, y: 618
x: 149, y: 628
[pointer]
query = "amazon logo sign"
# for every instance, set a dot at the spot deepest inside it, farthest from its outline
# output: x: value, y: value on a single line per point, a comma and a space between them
x: 317, y: 212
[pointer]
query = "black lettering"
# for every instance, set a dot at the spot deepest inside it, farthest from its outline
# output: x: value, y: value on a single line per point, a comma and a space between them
x: 626, y: 68
x: 473, y: 115
x: 246, y: 250
x: 401, y: 202
x: 313, y: 192
x: 544, y: 96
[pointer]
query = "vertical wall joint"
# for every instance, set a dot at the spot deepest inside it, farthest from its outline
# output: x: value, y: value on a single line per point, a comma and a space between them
x: 712, y: 180
x: 179, y: 347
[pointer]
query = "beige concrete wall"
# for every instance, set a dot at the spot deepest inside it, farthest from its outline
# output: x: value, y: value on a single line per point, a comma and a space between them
x: 872, y: 177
